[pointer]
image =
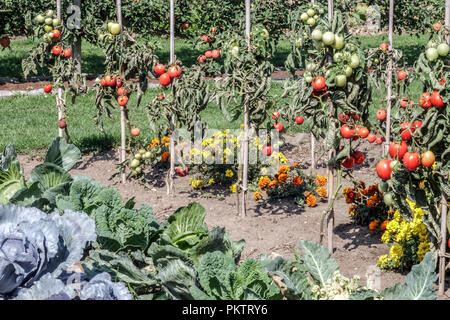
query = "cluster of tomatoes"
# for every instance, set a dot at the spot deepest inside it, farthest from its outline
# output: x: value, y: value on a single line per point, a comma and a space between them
x: 57, y: 50
x: 116, y: 82
x: 312, y: 15
x: 350, y: 131
x: 427, y: 100
x: 209, y: 54
x: 165, y: 78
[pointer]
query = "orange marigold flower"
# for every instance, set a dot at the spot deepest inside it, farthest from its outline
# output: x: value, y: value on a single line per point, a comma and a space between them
x: 165, y: 140
x: 297, y: 181
x: 347, y: 190
x: 295, y: 164
x: 155, y: 141
x: 283, y: 169
x: 311, y: 200
x: 351, y: 210
x: 306, y: 194
x: 263, y: 182
x: 322, y: 192
x: 373, y: 200
x: 373, y: 225
x: 360, y: 185
x: 384, y: 224
x: 391, y: 211
x: 373, y: 189
x: 165, y: 156
x: 282, y: 177
x: 321, y: 180
x: 257, y: 195
x: 273, y: 184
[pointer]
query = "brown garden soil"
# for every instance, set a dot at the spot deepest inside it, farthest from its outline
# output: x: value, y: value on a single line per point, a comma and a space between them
x: 270, y: 226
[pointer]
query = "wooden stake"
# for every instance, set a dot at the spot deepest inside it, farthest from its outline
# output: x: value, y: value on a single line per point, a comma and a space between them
x: 171, y: 186
x: 389, y: 79
x: 123, y: 136
x: 59, y: 98
x: 76, y: 47
x: 313, y: 158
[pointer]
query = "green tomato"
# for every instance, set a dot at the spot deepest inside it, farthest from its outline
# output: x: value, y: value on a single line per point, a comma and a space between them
x: 388, y: 199
x: 235, y: 51
x: 299, y: 43
x: 348, y: 71
x: 338, y: 42
x: 316, y: 35
x: 265, y: 34
x: 321, y: 11
x: 49, y: 21
x: 148, y: 155
x: 383, y: 186
x: 311, y: 67
x: 355, y: 62
x: 135, y: 163
x: 101, y: 37
x: 138, y: 156
x: 134, y: 172
x: 50, y: 14
x: 432, y: 54
x: 432, y: 44
x: 48, y: 28
x: 328, y: 38
x: 56, y: 22
x: 350, y: 47
x: 142, y: 151
x: 316, y: 17
x: 114, y: 29
x: 327, y: 74
x: 340, y: 80
x: 40, y: 18
x: 443, y: 49
x: 376, y: 61
x: 304, y: 16
x: 47, y: 39
x: 311, y: 21
x: 307, y: 76
x: 395, y: 165
x: 310, y: 12
x: 337, y: 56
x: 138, y: 170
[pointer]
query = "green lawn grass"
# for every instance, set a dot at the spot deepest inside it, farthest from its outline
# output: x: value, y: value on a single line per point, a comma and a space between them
x: 93, y: 57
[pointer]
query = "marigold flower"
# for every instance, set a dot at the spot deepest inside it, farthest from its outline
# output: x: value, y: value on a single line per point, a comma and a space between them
x: 322, y: 192
x: 321, y: 180
x: 373, y: 200
x: 229, y: 173
x: 233, y: 188
x: 283, y: 169
x: 373, y: 225
x: 384, y: 224
x: 295, y: 164
x: 165, y: 156
x: 306, y: 193
x: 282, y: 177
x: 263, y: 182
x: 373, y: 189
x: 311, y: 200
x: 257, y: 195
x: 297, y: 181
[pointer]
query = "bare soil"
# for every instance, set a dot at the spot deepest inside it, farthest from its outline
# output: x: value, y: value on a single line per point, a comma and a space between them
x: 270, y: 226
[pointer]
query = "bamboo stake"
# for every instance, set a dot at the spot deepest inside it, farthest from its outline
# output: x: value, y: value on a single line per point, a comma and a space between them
x: 389, y: 79
x: 331, y: 170
x: 123, y: 136
x: 442, y: 250
x: 60, y: 90
x: 171, y: 186
x: 245, y: 142
x: 76, y: 47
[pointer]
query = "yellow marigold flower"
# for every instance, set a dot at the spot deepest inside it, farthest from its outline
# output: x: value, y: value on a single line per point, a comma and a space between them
x: 197, y: 184
x: 311, y: 200
x: 233, y: 188
x: 165, y: 156
x: 155, y: 141
x: 383, y: 260
x: 282, y: 177
x: 211, y: 181
x: 283, y: 169
x: 229, y: 173
x: 257, y: 195
x: 297, y: 181
x: 322, y: 181
x: 322, y: 192
x: 396, y: 253
x: 165, y: 140
x: 386, y: 237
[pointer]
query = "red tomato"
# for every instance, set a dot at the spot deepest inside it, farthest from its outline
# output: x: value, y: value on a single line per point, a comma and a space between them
x: 406, y: 132
x: 62, y: 124
x: 384, y: 169
x: 160, y: 69
x: 57, y: 50
x: 358, y: 156
x: 206, y: 38
x: 363, y: 132
x: 299, y: 120
x: 110, y: 80
x: 67, y: 53
x: 208, y: 54
x: 122, y: 91
x: 318, y: 83
x: 427, y: 158
x: 416, y: 124
x: 275, y: 115
x: 201, y: 59
x: 384, y: 46
x: 5, y: 41
x: 48, y: 88
x: 381, y: 115
x: 161, y: 96
x: 122, y: 101
x: 411, y: 160
x: 442, y: 82
x: 401, y: 75
x: 397, y: 151
x: 103, y: 82
x: 437, y: 26
x: 174, y: 71
x: 279, y: 126
x: 379, y: 140
x: 425, y: 100
x: 343, y: 117
x: 164, y: 79
x: 347, y: 131
x: 216, y: 54
x: 371, y: 138
x: 267, y: 150
x: 404, y: 102
x: 135, y: 132
x: 119, y: 82
x: 348, y: 163
x: 436, y: 99
x: 56, y: 34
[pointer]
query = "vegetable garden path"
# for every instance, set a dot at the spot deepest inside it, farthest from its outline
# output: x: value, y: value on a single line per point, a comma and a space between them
x: 270, y: 226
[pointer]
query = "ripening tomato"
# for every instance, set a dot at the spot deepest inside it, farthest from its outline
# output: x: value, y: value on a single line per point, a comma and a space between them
x: 122, y: 101
x: 384, y: 170
x: 425, y: 100
x: 343, y: 117
x: 358, y: 156
x: 122, y: 91
x: 56, y: 34
x: 57, y: 50
x: 384, y: 46
x: 208, y: 54
x: 348, y: 163
x: 404, y: 102
x: 437, y: 26
x: 110, y: 80
x: 48, y: 88
x: 267, y: 150
x: 427, y: 158
x: 62, y: 124
x: 381, y: 115
x: 174, y: 71
x: 201, y: 59
x: 275, y: 115
x: 299, y: 120
x: 397, y: 151
x: 160, y: 69
x: 363, y: 132
x: 215, y: 54
x: 135, y: 132
x: 436, y: 99
x: 401, y: 75
x: 279, y: 126
x: 164, y: 80
x: 206, y: 38
x: 371, y: 138
x: 411, y: 160
x: 67, y: 53
x: 347, y: 131
x: 379, y: 140
x: 318, y: 83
